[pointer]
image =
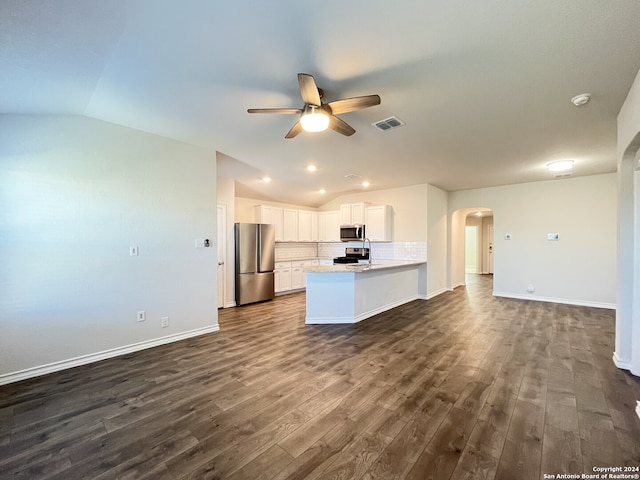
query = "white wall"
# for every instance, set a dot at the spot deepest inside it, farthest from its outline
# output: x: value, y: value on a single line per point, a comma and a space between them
x: 437, y: 244
x: 75, y: 194
x: 580, y: 268
x: 627, y: 353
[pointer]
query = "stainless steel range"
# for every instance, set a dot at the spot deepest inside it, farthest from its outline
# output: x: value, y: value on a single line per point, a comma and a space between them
x: 352, y: 255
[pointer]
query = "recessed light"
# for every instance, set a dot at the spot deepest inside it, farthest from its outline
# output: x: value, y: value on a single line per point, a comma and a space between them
x: 266, y: 179
x: 365, y: 184
x: 322, y: 190
x: 311, y: 168
x: 581, y: 99
x: 478, y: 214
x: 560, y: 166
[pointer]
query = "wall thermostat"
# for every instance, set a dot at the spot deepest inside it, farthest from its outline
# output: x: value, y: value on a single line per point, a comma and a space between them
x: 553, y: 236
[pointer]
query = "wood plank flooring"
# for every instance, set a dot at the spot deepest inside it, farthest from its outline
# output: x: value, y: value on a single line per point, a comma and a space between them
x: 463, y: 386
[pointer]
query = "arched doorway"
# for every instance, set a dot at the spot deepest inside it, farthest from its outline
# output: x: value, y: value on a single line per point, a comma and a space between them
x: 627, y: 342
x: 472, y: 245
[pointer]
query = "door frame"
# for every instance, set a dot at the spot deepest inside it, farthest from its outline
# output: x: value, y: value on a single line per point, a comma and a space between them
x: 221, y: 254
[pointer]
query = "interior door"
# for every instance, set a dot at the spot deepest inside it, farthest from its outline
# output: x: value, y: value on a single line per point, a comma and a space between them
x: 490, y: 240
x: 221, y: 247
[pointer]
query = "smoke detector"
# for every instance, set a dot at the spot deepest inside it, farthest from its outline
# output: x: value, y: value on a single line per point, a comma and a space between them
x: 581, y: 99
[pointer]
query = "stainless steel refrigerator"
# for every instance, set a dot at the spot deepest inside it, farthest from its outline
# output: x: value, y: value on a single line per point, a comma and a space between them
x: 255, y: 262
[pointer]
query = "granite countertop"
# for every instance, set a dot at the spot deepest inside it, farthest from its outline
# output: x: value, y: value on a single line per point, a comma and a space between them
x: 362, y: 267
x: 302, y: 259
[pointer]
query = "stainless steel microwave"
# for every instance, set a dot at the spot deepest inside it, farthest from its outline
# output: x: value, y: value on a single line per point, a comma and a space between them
x: 350, y: 233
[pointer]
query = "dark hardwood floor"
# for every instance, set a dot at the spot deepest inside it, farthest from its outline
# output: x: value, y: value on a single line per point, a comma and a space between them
x: 461, y: 386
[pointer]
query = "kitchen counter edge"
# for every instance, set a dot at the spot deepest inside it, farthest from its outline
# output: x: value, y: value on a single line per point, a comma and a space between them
x: 362, y: 267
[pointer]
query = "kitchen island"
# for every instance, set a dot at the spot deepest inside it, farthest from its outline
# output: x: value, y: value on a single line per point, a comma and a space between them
x: 350, y: 293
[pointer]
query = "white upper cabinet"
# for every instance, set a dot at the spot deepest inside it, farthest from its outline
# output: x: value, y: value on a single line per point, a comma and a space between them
x: 273, y: 216
x: 379, y: 223
x: 329, y: 226
x: 353, y: 213
x: 307, y: 226
x: 290, y: 228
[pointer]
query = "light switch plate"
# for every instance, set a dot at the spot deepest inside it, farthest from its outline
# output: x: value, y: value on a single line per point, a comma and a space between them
x: 507, y: 236
x: 133, y: 250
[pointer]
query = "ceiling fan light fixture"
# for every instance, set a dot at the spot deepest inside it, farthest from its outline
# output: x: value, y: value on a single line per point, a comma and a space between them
x: 312, y: 120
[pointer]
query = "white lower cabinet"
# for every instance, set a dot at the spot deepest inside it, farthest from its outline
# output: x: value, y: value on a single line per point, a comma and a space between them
x: 282, y: 276
x: 297, y: 278
x: 290, y: 276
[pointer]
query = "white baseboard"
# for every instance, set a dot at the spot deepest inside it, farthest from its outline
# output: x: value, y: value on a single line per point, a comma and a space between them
x: 436, y: 293
x: 105, y: 354
x: 622, y: 365
x: 461, y: 284
x: 565, y: 301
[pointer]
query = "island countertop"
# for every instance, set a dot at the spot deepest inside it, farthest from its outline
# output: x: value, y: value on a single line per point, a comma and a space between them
x: 362, y: 267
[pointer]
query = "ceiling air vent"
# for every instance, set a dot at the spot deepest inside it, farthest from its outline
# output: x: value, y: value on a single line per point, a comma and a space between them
x: 388, y: 123
x: 562, y: 175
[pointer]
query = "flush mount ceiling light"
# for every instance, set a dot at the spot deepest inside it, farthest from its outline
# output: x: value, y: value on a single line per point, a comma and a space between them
x: 312, y: 120
x: 581, y: 99
x: 311, y: 168
x: 560, y: 166
x: 365, y: 184
x: 266, y: 179
x: 322, y: 191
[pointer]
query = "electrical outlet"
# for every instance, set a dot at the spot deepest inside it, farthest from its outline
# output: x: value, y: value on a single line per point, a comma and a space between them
x: 164, y: 322
x: 531, y: 288
x: 142, y: 316
x: 133, y: 250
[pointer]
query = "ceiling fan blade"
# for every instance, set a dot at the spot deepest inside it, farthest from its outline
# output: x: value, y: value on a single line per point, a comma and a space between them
x: 275, y: 110
x: 295, y: 130
x: 341, y: 126
x: 354, y: 103
x: 309, y: 89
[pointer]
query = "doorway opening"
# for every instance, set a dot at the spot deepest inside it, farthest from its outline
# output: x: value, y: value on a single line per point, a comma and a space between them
x: 472, y: 245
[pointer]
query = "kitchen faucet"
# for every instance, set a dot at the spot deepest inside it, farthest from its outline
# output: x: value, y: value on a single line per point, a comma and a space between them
x: 367, y: 240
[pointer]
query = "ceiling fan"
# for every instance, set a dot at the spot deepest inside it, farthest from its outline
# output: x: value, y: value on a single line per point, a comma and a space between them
x: 316, y: 116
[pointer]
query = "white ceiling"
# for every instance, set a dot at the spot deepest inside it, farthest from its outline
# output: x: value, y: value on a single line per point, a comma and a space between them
x: 483, y: 86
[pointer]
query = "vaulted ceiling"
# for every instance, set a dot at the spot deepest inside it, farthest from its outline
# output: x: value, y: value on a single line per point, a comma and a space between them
x: 482, y: 86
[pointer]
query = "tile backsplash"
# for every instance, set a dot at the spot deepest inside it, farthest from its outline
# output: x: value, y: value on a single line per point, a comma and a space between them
x: 381, y: 251
x: 296, y: 251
